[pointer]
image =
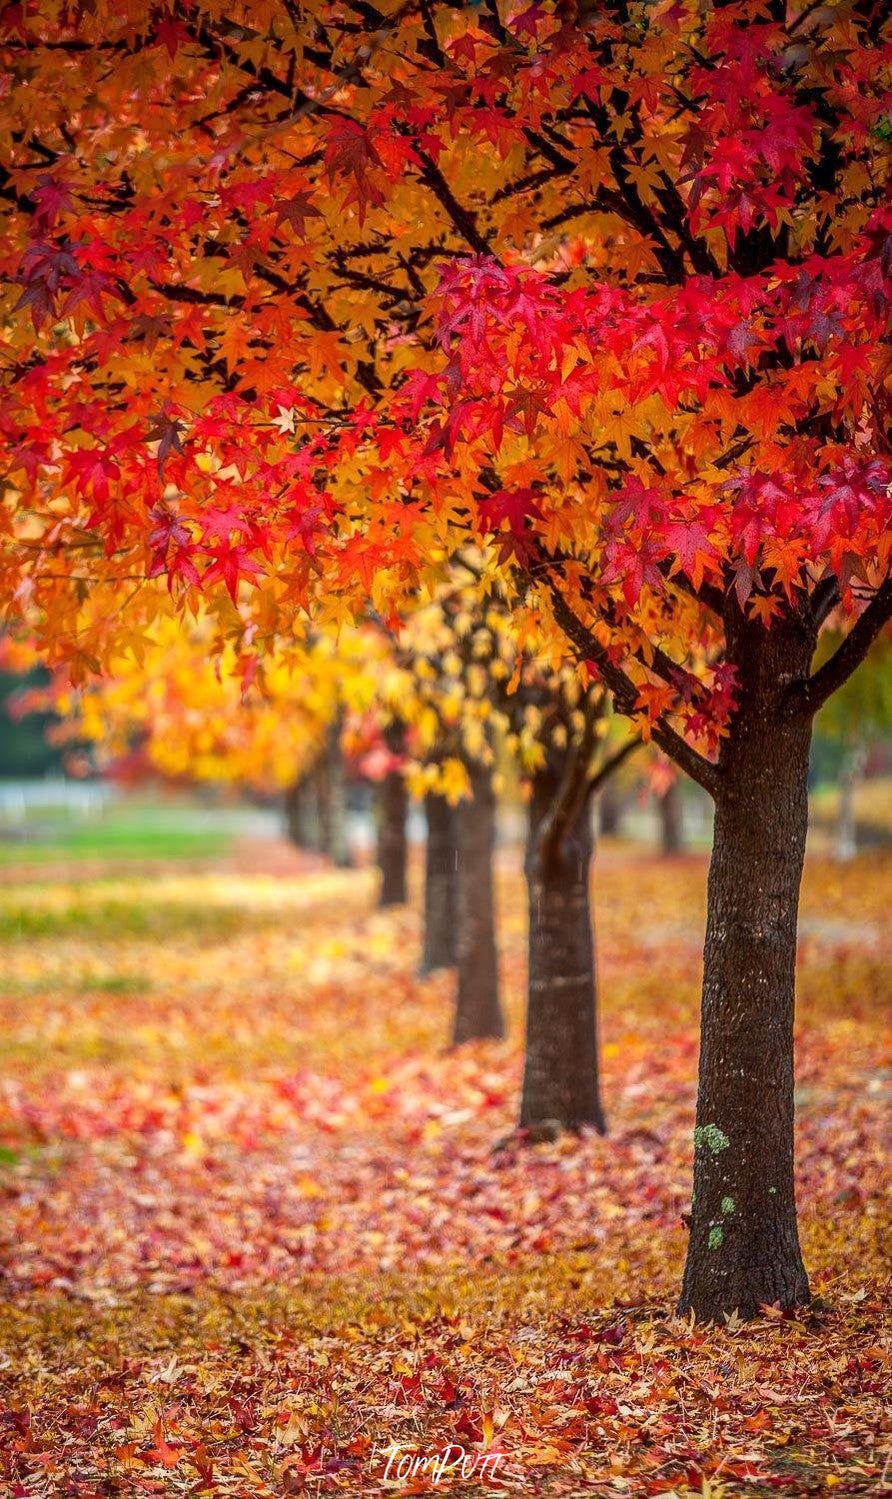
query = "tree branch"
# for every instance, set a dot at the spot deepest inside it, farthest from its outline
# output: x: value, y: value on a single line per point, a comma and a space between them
x: 462, y: 218
x: 808, y: 697
x: 710, y: 596
x: 625, y: 695
x: 824, y: 599
x: 613, y: 762
x: 574, y: 786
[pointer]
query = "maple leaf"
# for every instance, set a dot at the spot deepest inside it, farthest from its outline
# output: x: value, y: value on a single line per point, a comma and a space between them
x: 349, y: 152
x: 162, y: 1452
x: 295, y: 211
x: 219, y: 524
x: 170, y: 33
x: 231, y: 562
x: 53, y: 197
x: 693, y: 548
x: 167, y: 432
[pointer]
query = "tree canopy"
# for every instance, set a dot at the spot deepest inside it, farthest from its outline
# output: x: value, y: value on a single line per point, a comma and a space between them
x: 301, y: 297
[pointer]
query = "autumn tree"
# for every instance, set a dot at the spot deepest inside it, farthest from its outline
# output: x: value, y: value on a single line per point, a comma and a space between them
x: 474, y: 690
x: 568, y: 760
x: 664, y: 786
x: 440, y: 883
x: 392, y: 810
x: 452, y: 661
x: 193, y: 717
x: 303, y: 295
x: 853, y: 721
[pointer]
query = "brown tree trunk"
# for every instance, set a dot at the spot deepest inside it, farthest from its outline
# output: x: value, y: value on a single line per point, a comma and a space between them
x: 671, y: 819
x: 332, y: 791
x: 440, y: 884
x: 393, y: 806
x: 744, y: 1246
x: 478, y: 1010
x: 846, y: 825
x: 560, y: 1082
x: 610, y: 810
x: 392, y: 809
x: 301, y: 814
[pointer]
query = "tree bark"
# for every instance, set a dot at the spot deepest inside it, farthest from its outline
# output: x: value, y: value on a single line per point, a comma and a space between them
x: 744, y: 1246
x: 846, y: 826
x: 440, y: 884
x: 393, y: 806
x: 560, y: 1082
x: 478, y: 1011
x: 610, y: 811
x: 671, y: 819
x: 332, y: 783
x: 301, y: 814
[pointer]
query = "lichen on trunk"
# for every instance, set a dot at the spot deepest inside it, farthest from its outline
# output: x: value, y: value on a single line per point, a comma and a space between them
x: 744, y: 1246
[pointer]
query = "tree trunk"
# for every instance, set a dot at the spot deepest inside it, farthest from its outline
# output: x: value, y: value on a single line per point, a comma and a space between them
x: 393, y: 806
x: 671, y: 819
x: 744, y: 1246
x: 301, y: 814
x: 610, y: 810
x: 440, y: 884
x: 332, y: 782
x: 846, y: 826
x: 478, y: 1011
x: 560, y: 1082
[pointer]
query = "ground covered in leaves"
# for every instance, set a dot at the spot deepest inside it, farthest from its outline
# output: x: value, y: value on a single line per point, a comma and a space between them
x: 255, y: 1234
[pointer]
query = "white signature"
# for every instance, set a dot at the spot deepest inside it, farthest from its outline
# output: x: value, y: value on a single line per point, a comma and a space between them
x: 453, y: 1461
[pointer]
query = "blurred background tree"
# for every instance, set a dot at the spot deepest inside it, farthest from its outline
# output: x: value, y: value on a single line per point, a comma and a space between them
x: 25, y: 748
x: 852, y: 735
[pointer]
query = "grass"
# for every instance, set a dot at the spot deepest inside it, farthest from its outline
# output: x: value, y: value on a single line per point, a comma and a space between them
x: 127, y: 831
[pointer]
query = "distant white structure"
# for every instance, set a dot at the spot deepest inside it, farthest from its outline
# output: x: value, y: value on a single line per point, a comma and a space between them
x: 19, y: 799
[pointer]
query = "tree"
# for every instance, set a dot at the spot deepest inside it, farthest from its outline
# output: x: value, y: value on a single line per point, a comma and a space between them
x: 194, y: 718
x: 452, y: 658
x: 666, y: 789
x: 474, y: 688
x: 24, y: 747
x: 855, y: 717
x: 331, y: 778
x: 392, y: 811
x: 304, y: 297
x: 561, y: 1081
x: 610, y: 810
x: 440, y: 883
x: 301, y: 814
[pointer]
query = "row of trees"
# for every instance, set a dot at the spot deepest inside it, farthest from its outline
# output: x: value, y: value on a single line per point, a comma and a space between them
x: 436, y: 708
x: 304, y: 299
x: 430, y: 709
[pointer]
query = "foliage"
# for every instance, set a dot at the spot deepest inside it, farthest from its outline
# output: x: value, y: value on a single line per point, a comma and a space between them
x: 217, y: 1173
x: 305, y: 296
x: 24, y: 750
x: 200, y: 717
x: 473, y: 688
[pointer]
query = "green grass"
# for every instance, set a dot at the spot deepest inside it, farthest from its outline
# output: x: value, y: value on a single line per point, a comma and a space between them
x: 126, y: 832
x: 97, y: 915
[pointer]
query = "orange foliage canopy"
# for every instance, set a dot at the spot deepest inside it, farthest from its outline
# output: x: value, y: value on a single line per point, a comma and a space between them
x: 305, y: 296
